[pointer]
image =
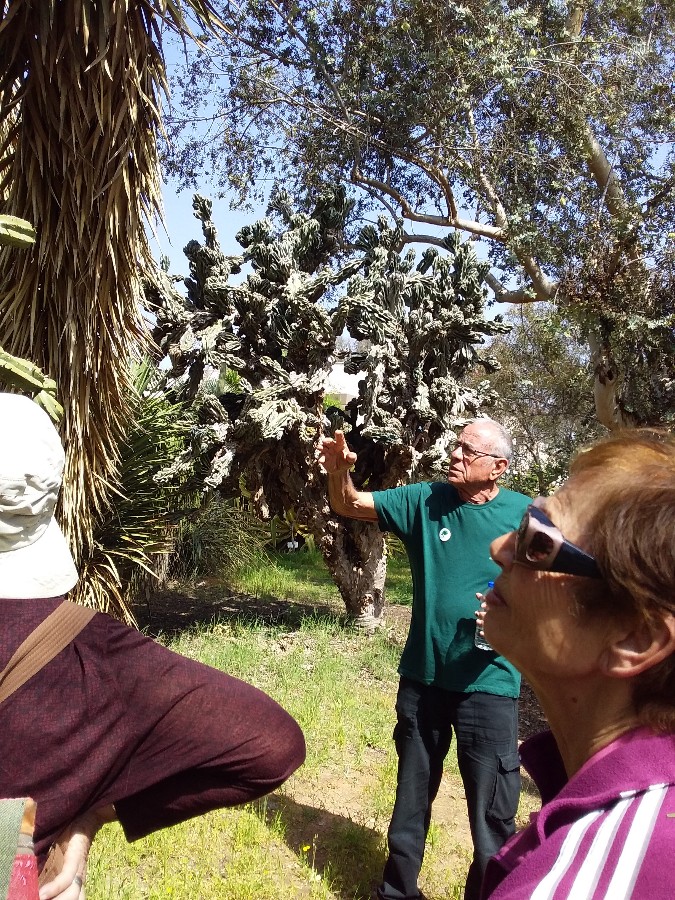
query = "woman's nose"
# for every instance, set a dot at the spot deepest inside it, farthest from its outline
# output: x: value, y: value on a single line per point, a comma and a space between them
x: 503, y: 549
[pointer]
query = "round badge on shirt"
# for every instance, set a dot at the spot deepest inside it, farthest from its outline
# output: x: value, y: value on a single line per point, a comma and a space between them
x: 445, y: 534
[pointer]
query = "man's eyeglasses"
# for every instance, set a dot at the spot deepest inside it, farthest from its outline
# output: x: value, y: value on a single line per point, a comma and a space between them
x: 540, y: 545
x: 469, y: 453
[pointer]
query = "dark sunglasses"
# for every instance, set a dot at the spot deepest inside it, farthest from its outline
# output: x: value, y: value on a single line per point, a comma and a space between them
x: 540, y: 545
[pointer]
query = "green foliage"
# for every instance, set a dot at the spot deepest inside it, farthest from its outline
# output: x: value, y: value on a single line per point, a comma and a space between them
x: 283, y: 530
x: 544, y: 129
x: 332, y: 400
x: 217, y: 539
x: 135, y: 533
x: 536, y: 480
x: 228, y: 381
x: 635, y: 324
x: 544, y: 396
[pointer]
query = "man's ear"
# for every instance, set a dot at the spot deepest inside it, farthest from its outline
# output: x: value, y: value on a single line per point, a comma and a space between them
x: 644, y: 645
x: 498, y: 468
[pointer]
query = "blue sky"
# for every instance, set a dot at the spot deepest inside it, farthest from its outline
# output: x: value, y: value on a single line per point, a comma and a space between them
x: 182, y: 226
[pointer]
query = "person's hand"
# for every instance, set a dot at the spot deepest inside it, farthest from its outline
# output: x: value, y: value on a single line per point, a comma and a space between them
x: 480, y: 612
x: 66, y: 868
x: 334, y: 454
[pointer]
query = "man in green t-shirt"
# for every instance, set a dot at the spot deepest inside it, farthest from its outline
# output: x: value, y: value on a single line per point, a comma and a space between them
x: 447, y: 683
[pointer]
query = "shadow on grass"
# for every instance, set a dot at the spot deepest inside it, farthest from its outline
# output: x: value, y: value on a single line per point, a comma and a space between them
x: 347, y: 856
x: 173, y: 610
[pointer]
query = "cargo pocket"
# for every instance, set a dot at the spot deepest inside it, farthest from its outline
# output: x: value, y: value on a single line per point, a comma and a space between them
x: 504, y: 803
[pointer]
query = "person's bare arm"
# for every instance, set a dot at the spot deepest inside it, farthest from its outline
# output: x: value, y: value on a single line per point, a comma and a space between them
x: 337, y: 459
x: 65, y: 878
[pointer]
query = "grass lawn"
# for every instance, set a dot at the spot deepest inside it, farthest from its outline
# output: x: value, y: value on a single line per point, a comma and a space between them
x: 303, y: 576
x: 322, y: 835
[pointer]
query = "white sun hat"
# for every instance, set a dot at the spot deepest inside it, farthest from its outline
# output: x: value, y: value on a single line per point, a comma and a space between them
x: 35, y: 560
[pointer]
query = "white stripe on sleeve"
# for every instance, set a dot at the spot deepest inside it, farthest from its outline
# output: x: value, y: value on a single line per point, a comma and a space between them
x: 591, y: 868
x: 637, y: 841
x: 547, y: 886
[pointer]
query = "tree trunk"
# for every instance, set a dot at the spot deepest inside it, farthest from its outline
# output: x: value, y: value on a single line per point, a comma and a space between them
x: 606, y: 387
x: 355, y: 553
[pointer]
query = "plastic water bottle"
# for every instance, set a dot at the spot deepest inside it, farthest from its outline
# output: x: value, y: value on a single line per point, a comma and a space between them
x: 478, y: 640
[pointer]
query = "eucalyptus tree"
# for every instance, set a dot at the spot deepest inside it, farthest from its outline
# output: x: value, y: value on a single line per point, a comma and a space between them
x: 544, y: 395
x: 420, y: 327
x: 80, y: 90
x: 543, y: 129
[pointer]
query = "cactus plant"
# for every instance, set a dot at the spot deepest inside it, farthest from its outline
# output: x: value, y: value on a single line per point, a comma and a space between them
x: 29, y: 379
x: 278, y: 330
x: 15, y: 232
x: 16, y: 372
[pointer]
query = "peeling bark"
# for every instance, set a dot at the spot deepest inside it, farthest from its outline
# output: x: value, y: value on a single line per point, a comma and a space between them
x: 607, y: 381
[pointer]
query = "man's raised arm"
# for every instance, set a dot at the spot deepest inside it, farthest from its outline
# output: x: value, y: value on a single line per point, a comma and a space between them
x: 337, y: 459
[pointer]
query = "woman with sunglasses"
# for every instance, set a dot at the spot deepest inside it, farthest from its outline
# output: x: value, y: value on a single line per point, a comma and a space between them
x: 585, y: 608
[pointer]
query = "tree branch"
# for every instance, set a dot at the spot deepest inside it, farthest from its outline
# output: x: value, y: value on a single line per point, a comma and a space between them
x: 380, y: 199
x: 424, y: 239
x: 375, y: 187
x: 497, y: 207
x: 522, y: 295
x: 543, y: 287
x: 659, y: 197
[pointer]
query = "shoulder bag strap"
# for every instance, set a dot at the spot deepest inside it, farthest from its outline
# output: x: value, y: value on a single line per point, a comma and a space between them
x: 43, y: 644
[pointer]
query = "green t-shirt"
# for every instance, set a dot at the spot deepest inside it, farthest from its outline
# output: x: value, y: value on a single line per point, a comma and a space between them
x: 448, y: 544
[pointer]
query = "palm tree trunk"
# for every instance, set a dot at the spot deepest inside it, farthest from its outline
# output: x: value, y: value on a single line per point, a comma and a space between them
x: 79, y: 118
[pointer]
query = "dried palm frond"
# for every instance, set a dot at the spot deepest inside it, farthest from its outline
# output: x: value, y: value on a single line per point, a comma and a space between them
x: 79, y: 116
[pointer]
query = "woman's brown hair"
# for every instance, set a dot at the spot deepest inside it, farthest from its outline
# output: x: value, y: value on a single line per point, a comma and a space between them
x: 628, y: 480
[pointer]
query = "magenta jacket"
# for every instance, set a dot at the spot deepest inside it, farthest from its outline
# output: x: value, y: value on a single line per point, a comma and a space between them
x: 608, y: 832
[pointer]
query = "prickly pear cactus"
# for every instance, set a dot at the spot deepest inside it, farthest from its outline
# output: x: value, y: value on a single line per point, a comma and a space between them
x: 15, y: 232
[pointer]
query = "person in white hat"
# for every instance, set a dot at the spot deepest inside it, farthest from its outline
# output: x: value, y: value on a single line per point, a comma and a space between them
x: 35, y: 560
x: 114, y: 726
